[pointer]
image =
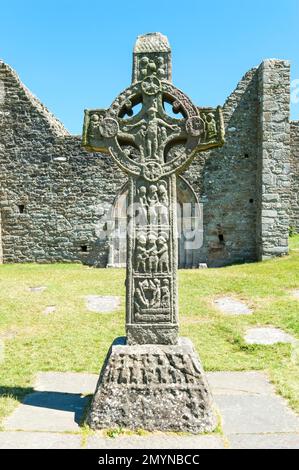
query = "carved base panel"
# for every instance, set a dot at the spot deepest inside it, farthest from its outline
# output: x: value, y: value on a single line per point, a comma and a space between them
x: 153, y: 387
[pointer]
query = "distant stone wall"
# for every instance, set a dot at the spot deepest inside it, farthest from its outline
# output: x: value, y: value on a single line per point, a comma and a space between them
x: 54, y: 196
x: 225, y: 180
x: 273, y: 175
x: 294, y: 197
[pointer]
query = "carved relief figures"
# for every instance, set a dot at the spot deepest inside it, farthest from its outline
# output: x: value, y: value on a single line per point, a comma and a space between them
x: 165, y: 294
x: 152, y: 296
x: 141, y: 253
x: 152, y: 134
x: 152, y: 204
x: 151, y: 253
x: 93, y: 130
x: 152, y: 228
x: 211, y: 126
x: 148, y: 65
x: 164, y: 203
x: 163, y: 259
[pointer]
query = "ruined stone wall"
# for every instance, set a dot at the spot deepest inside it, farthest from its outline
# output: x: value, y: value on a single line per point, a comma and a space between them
x: 294, y: 196
x: 273, y: 176
x: 53, y: 194
x: 225, y: 181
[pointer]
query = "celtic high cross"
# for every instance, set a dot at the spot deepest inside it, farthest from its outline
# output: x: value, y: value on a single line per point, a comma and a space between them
x: 152, y: 148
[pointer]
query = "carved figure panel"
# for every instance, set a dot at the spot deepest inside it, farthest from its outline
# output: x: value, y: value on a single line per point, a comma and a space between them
x: 152, y: 299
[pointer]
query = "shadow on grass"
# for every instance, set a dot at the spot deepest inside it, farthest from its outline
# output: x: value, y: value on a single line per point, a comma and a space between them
x: 16, y: 393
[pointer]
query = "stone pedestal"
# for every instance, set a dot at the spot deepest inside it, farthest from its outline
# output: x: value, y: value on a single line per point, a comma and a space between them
x: 153, y: 387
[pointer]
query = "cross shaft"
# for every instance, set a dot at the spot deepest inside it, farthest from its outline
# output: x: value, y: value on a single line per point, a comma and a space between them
x: 152, y: 148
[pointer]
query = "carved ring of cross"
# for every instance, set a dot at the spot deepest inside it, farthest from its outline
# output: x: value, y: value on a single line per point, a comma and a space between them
x: 152, y: 132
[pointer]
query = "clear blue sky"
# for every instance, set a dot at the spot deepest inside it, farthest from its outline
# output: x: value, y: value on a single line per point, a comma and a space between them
x: 77, y: 54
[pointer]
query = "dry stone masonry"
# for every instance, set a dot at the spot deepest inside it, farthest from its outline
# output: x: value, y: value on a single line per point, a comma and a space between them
x: 294, y: 196
x: 55, y: 196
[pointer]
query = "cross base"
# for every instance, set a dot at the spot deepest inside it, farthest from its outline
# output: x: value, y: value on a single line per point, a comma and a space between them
x: 153, y: 387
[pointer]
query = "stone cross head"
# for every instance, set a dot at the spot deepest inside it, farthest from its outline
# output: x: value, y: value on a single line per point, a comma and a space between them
x: 152, y: 143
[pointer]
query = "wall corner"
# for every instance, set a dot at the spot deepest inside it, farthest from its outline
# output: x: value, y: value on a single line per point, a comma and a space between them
x: 273, y: 170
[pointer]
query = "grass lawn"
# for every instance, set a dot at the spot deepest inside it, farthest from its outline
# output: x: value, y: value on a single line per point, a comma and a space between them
x: 73, y: 339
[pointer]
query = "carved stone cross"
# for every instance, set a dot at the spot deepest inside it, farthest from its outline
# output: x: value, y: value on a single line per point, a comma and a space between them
x: 152, y: 147
x: 153, y: 379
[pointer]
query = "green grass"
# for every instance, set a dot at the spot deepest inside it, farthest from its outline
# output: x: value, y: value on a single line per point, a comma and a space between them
x: 73, y: 339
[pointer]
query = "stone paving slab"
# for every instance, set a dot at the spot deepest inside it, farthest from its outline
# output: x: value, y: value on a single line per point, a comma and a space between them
x: 240, y: 383
x: 295, y: 293
x: 256, y: 414
x: 38, y: 440
x: 102, y: 304
x: 268, y: 336
x: 66, y: 382
x: 161, y: 441
x: 251, y: 414
x: 47, y: 411
x: 37, y: 288
x: 49, y: 309
x: 8, y: 334
x: 231, y: 306
x: 264, y: 441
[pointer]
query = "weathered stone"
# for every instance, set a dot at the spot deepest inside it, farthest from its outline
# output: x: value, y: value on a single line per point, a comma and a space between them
x: 240, y: 383
x: 159, y: 441
x: 47, y: 411
x: 37, y: 289
x: 151, y: 306
x: 273, y: 86
x: 60, y: 220
x: 139, y: 387
x: 264, y: 441
x: 102, y: 303
x: 75, y: 383
x: 49, y: 309
x: 202, y: 265
x: 152, y: 334
x: 294, y: 175
x: 231, y: 306
x: 153, y: 387
x: 247, y: 422
x: 38, y: 440
x: 8, y: 334
x: 256, y: 414
x: 295, y: 293
x: 268, y: 335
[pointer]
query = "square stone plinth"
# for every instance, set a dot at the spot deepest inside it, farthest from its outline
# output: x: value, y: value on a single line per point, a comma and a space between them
x: 153, y: 387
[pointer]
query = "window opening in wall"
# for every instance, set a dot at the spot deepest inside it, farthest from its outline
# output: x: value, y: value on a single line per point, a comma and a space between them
x: 21, y: 208
x: 84, y: 248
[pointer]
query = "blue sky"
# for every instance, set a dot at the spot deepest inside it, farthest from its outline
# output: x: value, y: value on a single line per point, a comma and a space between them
x: 77, y: 54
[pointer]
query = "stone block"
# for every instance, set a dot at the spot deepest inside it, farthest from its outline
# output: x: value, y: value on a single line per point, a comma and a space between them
x: 153, y: 387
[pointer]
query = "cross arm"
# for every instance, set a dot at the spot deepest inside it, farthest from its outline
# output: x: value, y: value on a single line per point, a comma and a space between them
x: 92, y: 139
